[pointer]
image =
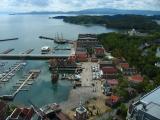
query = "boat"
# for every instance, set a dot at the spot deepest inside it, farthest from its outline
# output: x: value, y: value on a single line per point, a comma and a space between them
x: 60, y: 41
x: 45, y: 50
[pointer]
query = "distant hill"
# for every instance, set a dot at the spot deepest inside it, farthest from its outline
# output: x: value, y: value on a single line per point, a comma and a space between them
x: 140, y: 22
x: 99, y: 11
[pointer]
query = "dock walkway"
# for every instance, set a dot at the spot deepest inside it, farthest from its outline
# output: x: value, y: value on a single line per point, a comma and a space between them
x: 33, y: 74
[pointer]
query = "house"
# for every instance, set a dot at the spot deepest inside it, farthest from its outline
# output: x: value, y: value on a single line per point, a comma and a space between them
x: 3, y: 110
x: 124, y: 65
x: 99, y: 51
x: 129, y: 71
x: 112, y: 101
x: 135, y: 79
x: 109, y: 72
x: 106, y: 64
x: 146, y: 107
x: 87, y: 41
x: 126, y: 69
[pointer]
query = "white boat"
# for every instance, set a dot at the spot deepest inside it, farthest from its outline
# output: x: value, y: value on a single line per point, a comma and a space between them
x: 5, y: 80
x: 45, y: 50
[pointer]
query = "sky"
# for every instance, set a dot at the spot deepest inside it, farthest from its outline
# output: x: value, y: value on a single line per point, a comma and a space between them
x: 75, y: 5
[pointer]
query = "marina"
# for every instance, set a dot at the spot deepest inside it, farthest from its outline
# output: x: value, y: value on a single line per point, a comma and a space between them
x: 33, y: 74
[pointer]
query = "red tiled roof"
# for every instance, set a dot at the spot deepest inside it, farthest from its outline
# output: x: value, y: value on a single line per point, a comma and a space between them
x: 26, y: 113
x: 114, y: 98
x: 109, y: 70
x: 112, y: 82
x: 136, y: 78
x: 124, y: 65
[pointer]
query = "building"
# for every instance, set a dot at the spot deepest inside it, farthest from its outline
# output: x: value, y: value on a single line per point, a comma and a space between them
x: 129, y: 71
x: 109, y: 72
x: 99, y: 51
x: 105, y: 64
x: 146, y: 108
x: 81, y: 55
x: 135, y: 79
x: 21, y: 114
x: 112, y: 101
x: 3, y: 110
x: 87, y: 41
x: 81, y: 113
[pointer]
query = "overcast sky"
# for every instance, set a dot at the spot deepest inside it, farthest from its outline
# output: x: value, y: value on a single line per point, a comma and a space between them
x: 67, y: 5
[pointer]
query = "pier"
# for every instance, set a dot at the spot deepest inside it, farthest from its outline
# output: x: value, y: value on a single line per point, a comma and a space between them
x: 47, y: 38
x: 14, y: 68
x: 33, y: 74
x: 10, y: 39
x: 31, y: 57
x: 11, y: 73
x: 7, y: 51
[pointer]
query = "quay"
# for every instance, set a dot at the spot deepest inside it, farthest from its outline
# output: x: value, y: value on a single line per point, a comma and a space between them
x: 7, y: 51
x: 42, y: 37
x: 30, y: 57
x: 33, y: 74
x: 8, y: 39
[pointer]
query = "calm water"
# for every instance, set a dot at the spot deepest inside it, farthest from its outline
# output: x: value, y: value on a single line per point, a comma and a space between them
x: 28, y: 28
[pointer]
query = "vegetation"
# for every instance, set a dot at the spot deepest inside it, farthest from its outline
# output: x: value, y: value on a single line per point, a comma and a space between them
x: 143, y: 23
x: 128, y: 47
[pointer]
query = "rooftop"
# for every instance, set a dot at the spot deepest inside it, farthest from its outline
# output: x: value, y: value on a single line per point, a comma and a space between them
x: 149, y: 104
x: 153, y: 96
x: 136, y: 78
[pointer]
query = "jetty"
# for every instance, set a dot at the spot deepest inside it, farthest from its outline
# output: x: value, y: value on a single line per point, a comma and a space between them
x: 7, y: 51
x: 10, y: 39
x: 32, y: 75
x: 47, y: 38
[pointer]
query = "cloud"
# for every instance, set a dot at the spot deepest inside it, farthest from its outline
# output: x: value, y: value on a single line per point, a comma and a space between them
x: 67, y: 5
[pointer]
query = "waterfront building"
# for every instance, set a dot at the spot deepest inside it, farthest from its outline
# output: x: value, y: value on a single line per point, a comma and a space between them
x: 146, y: 108
x: 87, y: 41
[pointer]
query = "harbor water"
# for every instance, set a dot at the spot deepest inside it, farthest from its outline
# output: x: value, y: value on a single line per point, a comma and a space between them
x: 28, y: 28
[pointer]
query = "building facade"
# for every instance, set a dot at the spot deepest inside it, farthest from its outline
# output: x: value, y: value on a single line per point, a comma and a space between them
x: 146, y: 108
